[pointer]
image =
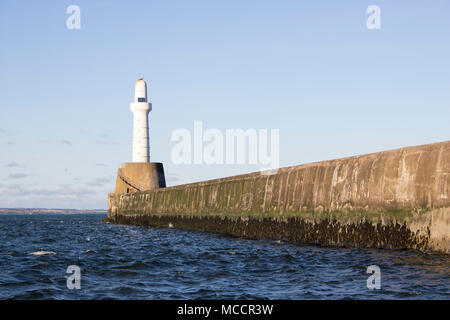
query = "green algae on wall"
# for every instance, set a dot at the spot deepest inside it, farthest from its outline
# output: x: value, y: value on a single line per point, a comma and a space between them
x: 407, y: 187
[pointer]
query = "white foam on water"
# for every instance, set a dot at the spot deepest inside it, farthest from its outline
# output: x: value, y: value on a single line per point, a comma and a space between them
x: 41, y: 253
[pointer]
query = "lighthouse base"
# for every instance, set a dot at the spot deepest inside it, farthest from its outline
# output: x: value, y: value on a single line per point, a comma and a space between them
x: 140, y: 176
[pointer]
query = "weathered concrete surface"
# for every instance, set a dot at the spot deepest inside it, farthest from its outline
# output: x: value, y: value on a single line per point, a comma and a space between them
x: 391, y: 199
x: 140, y: 176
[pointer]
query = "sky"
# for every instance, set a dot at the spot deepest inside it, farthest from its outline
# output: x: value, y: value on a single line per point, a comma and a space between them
x: 311, y: 69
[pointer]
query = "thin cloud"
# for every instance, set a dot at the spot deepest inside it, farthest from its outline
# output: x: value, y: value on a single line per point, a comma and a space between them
x: 17, y: 175
x: 100, y: 164
x: 12, y: 164
x: 106, y: 143
x: 66, y: 142
x: 64, y: 186
x: 18, y: 190
x: 99, y: 182
x: 172, y: 177
x: 14, y: 190
x: 7, y: 132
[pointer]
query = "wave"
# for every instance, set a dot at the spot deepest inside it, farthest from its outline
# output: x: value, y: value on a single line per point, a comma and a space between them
x: 41, y: 253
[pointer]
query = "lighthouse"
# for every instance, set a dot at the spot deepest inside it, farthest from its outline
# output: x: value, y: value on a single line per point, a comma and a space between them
x: 140, y: 174
x: 140, y: 108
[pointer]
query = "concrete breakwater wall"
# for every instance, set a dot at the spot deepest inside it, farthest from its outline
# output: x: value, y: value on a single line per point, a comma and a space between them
x: 391, y: 199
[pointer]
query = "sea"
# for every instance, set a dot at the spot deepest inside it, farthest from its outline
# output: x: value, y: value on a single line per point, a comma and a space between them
x: 77, y: 256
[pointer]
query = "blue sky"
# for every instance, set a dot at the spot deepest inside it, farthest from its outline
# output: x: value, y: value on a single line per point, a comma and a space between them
x: 311, y: 69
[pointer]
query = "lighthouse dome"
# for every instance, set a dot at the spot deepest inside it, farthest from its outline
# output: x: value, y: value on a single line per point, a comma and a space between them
x: 140, y: 91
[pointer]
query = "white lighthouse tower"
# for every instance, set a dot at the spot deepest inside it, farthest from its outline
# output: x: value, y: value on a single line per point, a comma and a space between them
x: 140, y: 108
x: 140, y: 174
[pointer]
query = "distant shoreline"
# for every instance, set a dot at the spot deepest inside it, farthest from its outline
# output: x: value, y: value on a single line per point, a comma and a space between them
x: 46, y: 210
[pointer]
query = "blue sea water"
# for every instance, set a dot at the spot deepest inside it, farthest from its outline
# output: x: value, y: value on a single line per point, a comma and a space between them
x: 130, y: 262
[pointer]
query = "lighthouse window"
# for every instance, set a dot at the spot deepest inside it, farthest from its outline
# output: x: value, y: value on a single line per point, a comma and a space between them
x: 142, y: 100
